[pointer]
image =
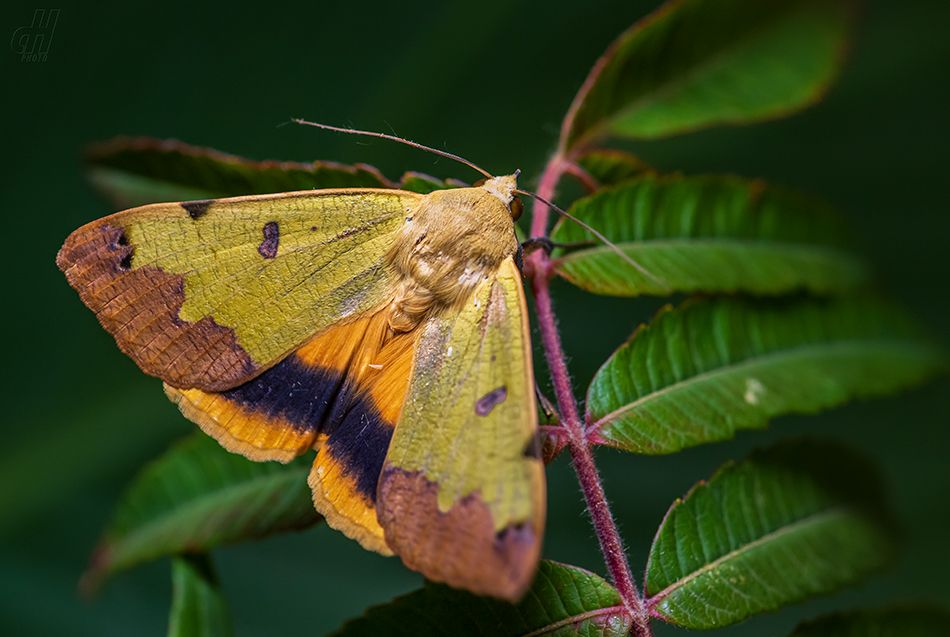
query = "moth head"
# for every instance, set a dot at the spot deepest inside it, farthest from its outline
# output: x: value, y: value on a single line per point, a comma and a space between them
x: 504, y: 188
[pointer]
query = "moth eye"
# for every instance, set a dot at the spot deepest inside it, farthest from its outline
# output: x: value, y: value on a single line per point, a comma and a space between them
x: 516, y: 208
x: 480, y: 182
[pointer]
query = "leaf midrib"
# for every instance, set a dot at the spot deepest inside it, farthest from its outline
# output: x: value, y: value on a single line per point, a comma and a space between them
x: 816, y: 519
x: 816, y: 350
x: 575, y: 619
x: 633, y: 246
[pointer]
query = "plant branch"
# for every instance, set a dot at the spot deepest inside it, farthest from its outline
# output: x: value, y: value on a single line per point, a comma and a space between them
x: 585, y: 178
x: 606, y: 529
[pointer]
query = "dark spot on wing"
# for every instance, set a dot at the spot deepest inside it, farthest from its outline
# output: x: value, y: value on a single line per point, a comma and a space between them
x: 268, y: 247
x: 122, y: 245
x: 486, y: 403
x: 533, y: 450
x: 197, y: 209
x: 519, y: 533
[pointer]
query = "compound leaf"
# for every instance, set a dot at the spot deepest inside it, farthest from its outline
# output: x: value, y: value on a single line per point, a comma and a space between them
x: 137, y: 171
x: 197, y: 496
x: 791, y: 522
x: 701, y: 372
x: 198, y: 606
x: 563, y: 601
x: 697, y: 63
x: 709, y: 234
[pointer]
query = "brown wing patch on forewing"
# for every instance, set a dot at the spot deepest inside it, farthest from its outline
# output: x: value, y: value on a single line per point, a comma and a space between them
x: 140, y: 309
x: 460, y: 546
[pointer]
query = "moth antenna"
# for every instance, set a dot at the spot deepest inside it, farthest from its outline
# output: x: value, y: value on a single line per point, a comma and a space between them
x: 395, y: 139
x: 658, y: 280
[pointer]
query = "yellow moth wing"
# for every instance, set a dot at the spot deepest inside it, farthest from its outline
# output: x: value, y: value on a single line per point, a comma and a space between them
x: 462, y: 494
x: 209, y: 294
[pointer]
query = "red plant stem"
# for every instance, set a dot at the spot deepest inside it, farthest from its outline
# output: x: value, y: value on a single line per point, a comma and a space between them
x: 603, y: 521
x: 550, y: 177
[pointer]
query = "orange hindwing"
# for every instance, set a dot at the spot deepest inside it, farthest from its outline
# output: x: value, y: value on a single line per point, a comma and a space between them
x: 340, y: 393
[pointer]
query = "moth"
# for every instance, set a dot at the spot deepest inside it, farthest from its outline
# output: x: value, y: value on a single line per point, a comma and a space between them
x: 385, y: 329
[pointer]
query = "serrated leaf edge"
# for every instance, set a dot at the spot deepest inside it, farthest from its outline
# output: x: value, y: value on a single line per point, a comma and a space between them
x: 101, y: 564
x: 814, y: 519
x: 585, y: 142
x: 577, y: 149
x: 824, y: 349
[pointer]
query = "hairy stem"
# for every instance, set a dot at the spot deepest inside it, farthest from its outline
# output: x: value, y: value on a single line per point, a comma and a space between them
x: 603, y: 521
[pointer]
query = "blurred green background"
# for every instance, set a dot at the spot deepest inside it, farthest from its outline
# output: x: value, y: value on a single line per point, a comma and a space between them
x: 490, y: 81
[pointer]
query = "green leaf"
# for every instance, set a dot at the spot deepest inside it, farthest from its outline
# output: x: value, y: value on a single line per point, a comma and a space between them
x: 563, y: 600
x: 887, y: 622
x: 710, y: 234
x: 698, y: 63
x: 137, y: 171
x: 198, y: 606
x: 789, y: 523
x: 424, y: 184
x: 700, y: 372
x: 197, y: 496
x: 609, y: 167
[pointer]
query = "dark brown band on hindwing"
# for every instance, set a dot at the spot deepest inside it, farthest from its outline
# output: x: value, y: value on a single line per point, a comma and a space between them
x: 292, y: 392
x: 459, y: 547
x: 287, y: 406
x: 315, y: 390
x: 346, y: 472
x: 140, y: 309
x: 359, y: 440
